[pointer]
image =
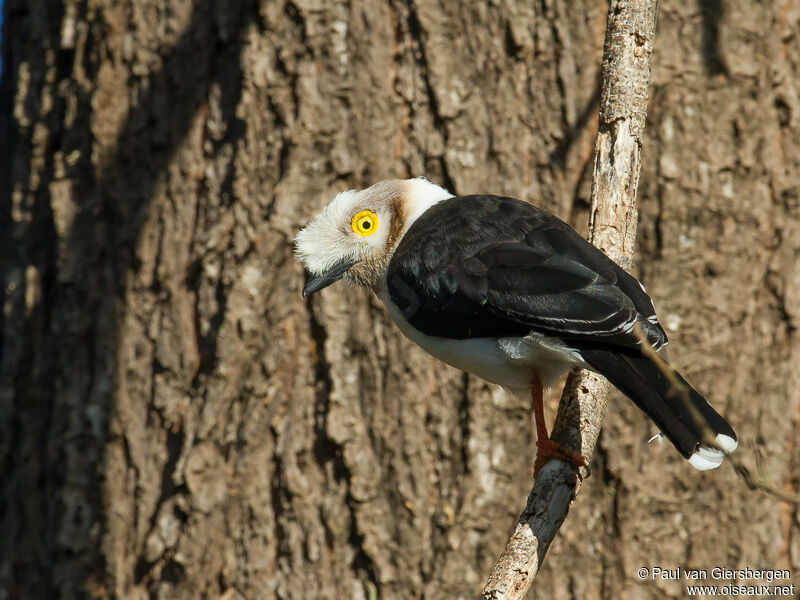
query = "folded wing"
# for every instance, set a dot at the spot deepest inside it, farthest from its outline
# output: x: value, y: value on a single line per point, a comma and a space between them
x: 490, y: 266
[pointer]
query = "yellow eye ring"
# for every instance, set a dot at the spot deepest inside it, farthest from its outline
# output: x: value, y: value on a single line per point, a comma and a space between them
x: 364, y: 223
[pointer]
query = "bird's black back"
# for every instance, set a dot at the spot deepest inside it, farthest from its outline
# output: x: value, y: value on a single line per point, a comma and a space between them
x: 493, y: 266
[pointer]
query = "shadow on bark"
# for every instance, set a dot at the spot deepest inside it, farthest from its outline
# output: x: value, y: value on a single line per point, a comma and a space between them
x: 712, y: 12
x: 51, y: 464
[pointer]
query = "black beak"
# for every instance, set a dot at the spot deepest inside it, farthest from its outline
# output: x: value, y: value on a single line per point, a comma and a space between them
x: 317, y: 282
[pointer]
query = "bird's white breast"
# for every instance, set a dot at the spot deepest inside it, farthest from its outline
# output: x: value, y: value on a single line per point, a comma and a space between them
x: 507, y: 361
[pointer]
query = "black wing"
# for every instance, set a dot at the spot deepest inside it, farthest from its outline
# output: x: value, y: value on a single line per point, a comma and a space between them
x: 491, y: 266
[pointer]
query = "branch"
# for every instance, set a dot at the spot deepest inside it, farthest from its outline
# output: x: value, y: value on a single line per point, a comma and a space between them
x: 630, y: 34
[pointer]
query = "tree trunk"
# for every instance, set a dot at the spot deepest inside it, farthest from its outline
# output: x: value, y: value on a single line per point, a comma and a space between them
x: 176, y: 422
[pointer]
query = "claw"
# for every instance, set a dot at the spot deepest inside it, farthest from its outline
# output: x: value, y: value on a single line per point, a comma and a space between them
x: 547, y: 449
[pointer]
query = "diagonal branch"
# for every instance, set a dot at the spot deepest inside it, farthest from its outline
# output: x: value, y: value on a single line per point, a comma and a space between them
x: 630, y: 34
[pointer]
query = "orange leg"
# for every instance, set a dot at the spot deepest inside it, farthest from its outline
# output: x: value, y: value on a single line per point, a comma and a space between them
x: 545, y: 447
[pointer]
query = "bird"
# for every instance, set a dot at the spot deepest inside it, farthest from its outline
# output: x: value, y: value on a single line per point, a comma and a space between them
x: 500, y: 288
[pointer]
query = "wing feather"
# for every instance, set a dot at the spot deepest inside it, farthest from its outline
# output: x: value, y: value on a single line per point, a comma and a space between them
x: 491, y: 266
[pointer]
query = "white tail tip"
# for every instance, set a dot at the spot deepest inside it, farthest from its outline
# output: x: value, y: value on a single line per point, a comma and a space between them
x: 706, y: 457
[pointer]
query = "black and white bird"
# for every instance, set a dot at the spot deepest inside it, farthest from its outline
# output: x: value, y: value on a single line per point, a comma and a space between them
x: 499, y: 288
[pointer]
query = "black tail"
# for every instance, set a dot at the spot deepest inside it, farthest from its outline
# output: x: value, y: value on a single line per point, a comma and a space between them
x: 639, y: 378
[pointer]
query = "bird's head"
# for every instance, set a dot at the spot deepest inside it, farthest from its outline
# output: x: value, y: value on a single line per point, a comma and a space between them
x: 355, y: 235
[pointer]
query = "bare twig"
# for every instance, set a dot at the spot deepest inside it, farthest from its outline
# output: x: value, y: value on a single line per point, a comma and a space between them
x: 761, y: 484
x: 709, y: 438
x: 630, y: 33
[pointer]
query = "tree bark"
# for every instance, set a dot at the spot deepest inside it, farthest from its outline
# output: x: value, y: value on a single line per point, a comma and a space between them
x: 176, y: 422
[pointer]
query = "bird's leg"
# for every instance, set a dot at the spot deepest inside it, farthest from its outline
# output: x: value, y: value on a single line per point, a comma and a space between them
x: 545, y: 447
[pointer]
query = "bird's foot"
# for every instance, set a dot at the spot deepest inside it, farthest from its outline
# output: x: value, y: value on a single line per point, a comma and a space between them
x: 547, y: 449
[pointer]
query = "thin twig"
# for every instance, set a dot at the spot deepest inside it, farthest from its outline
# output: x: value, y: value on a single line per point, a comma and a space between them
x: 709, y: 438
x: 679, y: 387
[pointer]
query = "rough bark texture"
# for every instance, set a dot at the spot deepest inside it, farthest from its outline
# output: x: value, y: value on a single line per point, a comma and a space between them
x: 176, y: 422
x: 625, y: 77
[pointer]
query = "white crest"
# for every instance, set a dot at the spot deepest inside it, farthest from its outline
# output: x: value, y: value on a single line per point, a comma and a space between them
x: 329, y: 238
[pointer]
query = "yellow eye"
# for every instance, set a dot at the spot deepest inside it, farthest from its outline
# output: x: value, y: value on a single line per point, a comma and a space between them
x: 364, y: 223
